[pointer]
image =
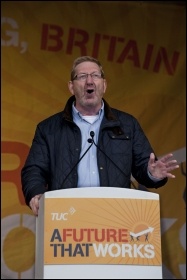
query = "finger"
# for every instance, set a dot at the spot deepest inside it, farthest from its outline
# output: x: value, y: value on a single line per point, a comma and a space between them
x: 166, y: 157
x: 172, y: 163
x: 35, y: 210
x: 169, y: 175
x: 36, y: 201
x: 172, y: 167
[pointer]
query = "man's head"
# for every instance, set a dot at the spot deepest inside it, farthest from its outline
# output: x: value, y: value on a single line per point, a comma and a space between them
x: 88, y: 84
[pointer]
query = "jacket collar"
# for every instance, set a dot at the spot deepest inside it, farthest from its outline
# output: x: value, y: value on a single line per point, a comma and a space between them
x: 68, y: 110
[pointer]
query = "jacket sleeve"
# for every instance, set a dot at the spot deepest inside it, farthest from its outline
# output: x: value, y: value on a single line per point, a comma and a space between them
x: 35, y: 172
x: 141, y: 153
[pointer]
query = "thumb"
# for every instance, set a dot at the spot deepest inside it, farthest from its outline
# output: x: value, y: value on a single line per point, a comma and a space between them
x: 152, y: 158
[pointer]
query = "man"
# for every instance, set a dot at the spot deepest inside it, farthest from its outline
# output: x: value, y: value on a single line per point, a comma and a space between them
x: 90, y: 144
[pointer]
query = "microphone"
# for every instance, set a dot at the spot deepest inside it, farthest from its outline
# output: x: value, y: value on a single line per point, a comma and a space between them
x: 91, y: 140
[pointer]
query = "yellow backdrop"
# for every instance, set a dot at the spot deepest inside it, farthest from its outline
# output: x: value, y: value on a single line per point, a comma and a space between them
x: 142, y: 48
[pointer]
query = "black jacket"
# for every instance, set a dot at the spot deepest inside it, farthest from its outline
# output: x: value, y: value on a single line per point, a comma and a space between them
x: 56, y: 149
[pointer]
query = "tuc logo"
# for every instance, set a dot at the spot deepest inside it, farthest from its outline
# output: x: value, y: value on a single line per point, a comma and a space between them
x: 59, y: 216
x: 62, y: 216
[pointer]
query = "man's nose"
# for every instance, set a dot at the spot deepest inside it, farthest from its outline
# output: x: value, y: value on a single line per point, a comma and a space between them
x: 89, y: 78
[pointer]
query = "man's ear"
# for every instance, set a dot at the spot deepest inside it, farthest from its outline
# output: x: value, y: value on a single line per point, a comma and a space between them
x: 70, y: 86
x: 104, y: 85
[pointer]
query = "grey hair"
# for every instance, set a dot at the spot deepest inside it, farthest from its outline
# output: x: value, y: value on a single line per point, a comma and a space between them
x: 81, y: 59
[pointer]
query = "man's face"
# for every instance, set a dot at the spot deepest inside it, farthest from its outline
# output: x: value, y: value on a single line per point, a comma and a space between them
x: 88, y: 87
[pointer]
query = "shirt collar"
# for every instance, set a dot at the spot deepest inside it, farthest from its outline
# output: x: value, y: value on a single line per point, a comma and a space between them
x: 77, y: 114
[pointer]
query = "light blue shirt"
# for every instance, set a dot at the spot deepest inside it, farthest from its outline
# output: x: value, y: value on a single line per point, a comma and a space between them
x: 88, y: 175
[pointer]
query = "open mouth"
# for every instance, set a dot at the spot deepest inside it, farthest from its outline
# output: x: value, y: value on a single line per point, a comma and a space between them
x: 90, y: 91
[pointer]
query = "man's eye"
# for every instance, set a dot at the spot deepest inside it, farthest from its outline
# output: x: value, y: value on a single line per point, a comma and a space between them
x: 82, y: 76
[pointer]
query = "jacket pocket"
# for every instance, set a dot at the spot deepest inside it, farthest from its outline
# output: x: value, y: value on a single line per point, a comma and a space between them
x: 120, y: 143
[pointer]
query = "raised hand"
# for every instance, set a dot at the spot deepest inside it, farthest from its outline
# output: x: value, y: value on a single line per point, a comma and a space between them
x: 162, y: 167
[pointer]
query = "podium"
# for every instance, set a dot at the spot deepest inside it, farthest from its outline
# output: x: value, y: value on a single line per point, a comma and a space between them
x: 98, y: 233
